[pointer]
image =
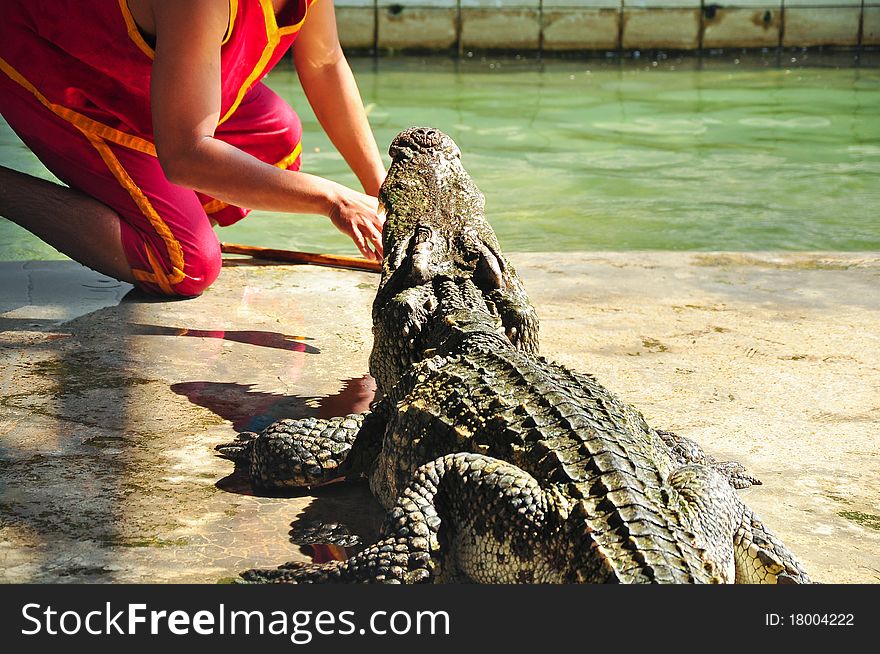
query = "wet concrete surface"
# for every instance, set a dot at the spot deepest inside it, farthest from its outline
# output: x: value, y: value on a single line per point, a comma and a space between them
x: 111, y: 403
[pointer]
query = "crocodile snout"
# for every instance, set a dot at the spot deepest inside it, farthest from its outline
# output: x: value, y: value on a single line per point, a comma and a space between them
x: 415, y: 140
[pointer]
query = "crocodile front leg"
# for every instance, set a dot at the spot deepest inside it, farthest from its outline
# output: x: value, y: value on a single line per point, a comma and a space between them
x: 686, y: 452
x: 464, y: 517
x: 308, y: 452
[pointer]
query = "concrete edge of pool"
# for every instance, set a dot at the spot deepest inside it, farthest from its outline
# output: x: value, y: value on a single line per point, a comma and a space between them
x: 110, y: 404
x: 591, y: 25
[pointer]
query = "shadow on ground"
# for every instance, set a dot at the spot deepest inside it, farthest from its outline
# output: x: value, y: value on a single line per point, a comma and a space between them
x: 111, y: 404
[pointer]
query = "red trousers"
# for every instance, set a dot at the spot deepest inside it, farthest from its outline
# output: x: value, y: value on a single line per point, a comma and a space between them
x: 166, y: 229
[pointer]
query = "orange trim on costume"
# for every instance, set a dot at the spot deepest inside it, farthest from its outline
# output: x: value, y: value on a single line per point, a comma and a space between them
x: 159, y: 277
x: 218, y: 205
x: 133, y: 32
x: 233, y: 12
x: 289, y: 159
x: 175, y: 252
x: 214, y: 206
x: 98, y: 135
x: 273, y: 37
x: 83, y: 123
x: 290, y: 29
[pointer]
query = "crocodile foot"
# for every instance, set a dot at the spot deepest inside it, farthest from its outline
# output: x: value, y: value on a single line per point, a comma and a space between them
x: 735, y: 474
x: 239, y: 450
x: 493, y: 511
x: 687, y: 452
x: 294, y: 572
x: 295, y: 453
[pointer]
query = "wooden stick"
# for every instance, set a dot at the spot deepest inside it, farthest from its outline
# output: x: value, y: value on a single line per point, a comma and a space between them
x: 292, y: 256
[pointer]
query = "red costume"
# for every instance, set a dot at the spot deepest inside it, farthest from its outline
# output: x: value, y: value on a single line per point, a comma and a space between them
x: 75, y: 86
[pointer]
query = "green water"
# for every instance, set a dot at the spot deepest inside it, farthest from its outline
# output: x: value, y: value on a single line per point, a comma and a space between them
x: 769, y: 154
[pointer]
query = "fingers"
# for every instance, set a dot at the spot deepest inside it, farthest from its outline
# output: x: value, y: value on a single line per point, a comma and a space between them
x: 357, y: 215
x: 366, y: 230
x: 374, y: 236
x: 368, y: 240
x: 372, y: 251
x: 361, y: 244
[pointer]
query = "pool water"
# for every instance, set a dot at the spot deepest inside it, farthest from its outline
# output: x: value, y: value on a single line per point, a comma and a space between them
x: 675, y: 154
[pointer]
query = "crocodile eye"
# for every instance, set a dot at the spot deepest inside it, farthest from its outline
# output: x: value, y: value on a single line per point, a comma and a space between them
x: 401, y: 152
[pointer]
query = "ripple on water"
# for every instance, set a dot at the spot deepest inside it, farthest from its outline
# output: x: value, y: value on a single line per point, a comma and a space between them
x: 802, y: 122
x: 755, y: 162
x: 660, y: 126
x: 864, y: 150
x: 629, y: 159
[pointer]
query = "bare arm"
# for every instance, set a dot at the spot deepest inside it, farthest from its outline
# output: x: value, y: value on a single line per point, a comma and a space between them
x: 186, y: 108
x: 332, y: 92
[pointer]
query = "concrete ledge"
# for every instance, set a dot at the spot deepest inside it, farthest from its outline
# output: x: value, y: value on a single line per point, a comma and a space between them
x: 871, y: 26
x: 743, y: 27
x: 490, y: 28
x: 356, y: 26
x: 676, y: 29
x: 581, y: 29
x: 811, y: 26
x: 574, y: 25
x: 430, y: 28
x: 110, y: 406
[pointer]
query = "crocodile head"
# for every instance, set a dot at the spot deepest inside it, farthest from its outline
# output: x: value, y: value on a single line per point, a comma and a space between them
x: 435, y: 229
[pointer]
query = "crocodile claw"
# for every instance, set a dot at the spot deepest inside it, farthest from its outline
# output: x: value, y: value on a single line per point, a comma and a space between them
x: 736, y: 474
x: 238, y: 450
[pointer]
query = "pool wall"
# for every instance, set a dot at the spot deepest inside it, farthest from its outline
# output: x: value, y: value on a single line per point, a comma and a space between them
x: 603, y: 25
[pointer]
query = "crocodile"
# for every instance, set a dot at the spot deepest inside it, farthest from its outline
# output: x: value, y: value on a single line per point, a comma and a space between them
x: 495, y: 464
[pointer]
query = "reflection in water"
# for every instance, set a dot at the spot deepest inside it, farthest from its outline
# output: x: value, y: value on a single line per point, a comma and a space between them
x: 355, y: 397
x: 658, y: 127
x: 807, y: 122
x: 248, y: 336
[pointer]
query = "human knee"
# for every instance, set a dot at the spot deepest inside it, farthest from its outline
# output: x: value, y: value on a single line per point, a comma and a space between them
x: 201, y: 269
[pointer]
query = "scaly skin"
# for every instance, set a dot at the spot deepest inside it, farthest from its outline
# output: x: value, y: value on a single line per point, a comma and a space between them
x: 296, y: 453
x: 495, y: 464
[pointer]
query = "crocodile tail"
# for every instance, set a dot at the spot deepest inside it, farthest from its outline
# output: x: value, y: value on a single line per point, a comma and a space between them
x: 760, y: 557
x: 240, y: 449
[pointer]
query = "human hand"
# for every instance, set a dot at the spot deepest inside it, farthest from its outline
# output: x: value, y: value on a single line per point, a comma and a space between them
x: 357, y: 216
